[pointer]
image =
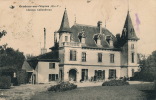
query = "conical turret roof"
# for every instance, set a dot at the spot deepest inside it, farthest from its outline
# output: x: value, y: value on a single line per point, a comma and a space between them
x: 65, y: 23
x: 128, y: 32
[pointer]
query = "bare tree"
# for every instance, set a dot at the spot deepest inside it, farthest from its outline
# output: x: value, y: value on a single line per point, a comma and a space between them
x: 3, y: 33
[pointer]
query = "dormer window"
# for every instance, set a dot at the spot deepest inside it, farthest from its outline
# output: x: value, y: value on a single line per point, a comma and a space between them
x: 83, y: 40
x: 132, y: 31
x: 109, y: 39
x: 125, y: 30
x: 97, y: 39
x: 82, y: 36
x: 66, y: 38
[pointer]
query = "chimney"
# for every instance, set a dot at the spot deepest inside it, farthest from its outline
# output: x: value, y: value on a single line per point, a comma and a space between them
x: 99, y: 24
x: 118, y: 36
x: 44, y: 50
x: 44, y: 38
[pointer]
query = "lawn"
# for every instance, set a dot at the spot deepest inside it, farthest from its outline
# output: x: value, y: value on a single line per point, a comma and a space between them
x: 131, y: 92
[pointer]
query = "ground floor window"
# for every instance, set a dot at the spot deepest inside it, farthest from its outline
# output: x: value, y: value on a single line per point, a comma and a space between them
x: 112, y: 73
x: 53, y: 77
x: 99, y: 74
x: 84, y: 74
x: 132, y: 72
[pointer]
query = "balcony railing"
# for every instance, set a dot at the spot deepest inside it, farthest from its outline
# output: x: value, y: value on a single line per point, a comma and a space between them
x: 71, y: 44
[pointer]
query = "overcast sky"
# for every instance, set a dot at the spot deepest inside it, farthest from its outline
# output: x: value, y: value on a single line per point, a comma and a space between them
x: 25, y: 28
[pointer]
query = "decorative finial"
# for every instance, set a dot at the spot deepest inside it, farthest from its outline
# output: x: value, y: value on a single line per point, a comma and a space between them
x: 75, y: 19
x: 65, y: 7
x: 128, y: 5
x: 105, y: 23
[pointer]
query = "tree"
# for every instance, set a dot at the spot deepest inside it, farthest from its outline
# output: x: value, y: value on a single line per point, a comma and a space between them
x: 11, y: 58
x: 3, y: 33
x: 148, y: 70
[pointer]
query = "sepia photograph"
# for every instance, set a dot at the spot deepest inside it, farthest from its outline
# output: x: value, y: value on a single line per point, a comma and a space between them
x: 78, y: 50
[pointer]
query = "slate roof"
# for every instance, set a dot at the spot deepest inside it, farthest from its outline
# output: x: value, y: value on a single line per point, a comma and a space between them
x: 26, y: 66
x: 128, y: 32
x: 64, y: 24
x: 89, y: 32
x: 47, y: 57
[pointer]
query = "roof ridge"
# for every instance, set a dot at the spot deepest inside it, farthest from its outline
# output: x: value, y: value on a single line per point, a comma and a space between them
x: 88, y: 25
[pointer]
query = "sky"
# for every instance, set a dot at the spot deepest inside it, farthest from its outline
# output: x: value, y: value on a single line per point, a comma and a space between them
x: 25, y: 29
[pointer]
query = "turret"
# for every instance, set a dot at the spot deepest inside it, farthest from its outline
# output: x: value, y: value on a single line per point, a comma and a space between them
x: 128, y: 43
x: 64, y: 31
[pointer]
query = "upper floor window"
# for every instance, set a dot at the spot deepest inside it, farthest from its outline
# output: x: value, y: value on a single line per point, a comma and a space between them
x: 111, y: 58
x: 51, y: 65
x: 132, y: 31
x: 66, y: 38
x: 83, y: 40
x: 99, y: 57
x: 98, y: 41
x: 132, y: 46
x: 108, y: 38
x: 83, y: 57
x: 132, y: 57
x: 72, y: 55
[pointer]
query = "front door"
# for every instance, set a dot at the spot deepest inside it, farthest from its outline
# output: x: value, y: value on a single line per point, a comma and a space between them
x: 84, y: 74
x: 72, y: 75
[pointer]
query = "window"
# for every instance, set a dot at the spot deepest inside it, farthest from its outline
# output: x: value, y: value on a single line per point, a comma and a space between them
x: 83, y: 57
x: 132, y: 46
x: 83, y: 40
x: 98, y: 41
x: 84, y: 74
x: 66, y: 38
x: 99, y: 57
x: 132, y: 31
x: 53, y: 77
x: 111, y: 58
x: 51, y: 65
x: 132, y: 72
x: 72, y: 55
x: 112, y: 73
x: 132, y: 57
x: 100, y: 74
x: 108, y: 38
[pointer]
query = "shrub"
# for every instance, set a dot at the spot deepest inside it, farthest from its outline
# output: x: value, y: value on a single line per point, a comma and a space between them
x: 144, y: 76
x: 5, y: 82
x: 63, y: 86
x: 154, y: 84
x: 115, y: 83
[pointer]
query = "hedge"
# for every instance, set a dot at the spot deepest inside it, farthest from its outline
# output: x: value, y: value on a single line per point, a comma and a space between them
x: 115, y: 83
x: 64, y: 86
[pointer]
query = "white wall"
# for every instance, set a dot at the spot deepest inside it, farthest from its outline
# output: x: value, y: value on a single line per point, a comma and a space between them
x: 130, y: 51
x: 91, y: 71
x: 42, y: 71
x: 92, y: 57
